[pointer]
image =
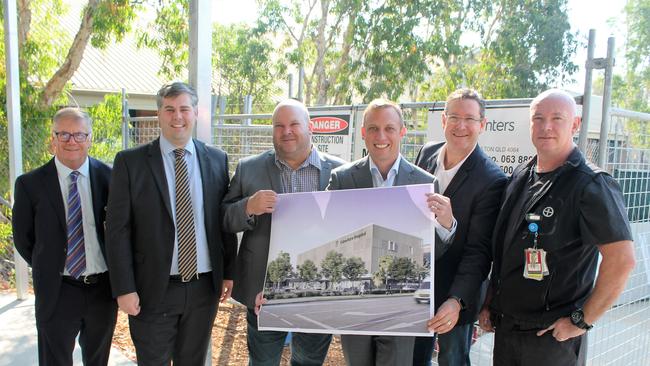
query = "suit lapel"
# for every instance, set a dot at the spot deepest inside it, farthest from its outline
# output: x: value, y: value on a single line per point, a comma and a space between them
x: 207, y: 178
x: 273, y: 173
x: 158, y: 172
x: 361, y: 174
x: 53, y: 189
x: 405, y: 174
x: 325, y: 170
x: 463, y: 172
x: 96, y: 193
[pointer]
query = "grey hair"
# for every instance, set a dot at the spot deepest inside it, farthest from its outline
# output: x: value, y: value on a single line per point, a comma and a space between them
x: 72, y: 113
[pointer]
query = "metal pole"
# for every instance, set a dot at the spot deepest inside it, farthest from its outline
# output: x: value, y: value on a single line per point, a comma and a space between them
x: 14, y: 129
x: 586, y: 98
x: 200, y: 65
x: 290, y: 88
x: 607, y: 100
x: 301, y: 81
x: 125, y: 121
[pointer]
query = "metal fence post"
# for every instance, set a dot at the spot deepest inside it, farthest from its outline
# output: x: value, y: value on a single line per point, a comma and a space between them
x: 607, y: 100
x: 125, y: 120
x: 586, y: 98
x: 14, y: 128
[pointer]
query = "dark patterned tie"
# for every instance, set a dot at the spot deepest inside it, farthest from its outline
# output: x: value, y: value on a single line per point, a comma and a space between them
x: 184, y: 219
x: 75, y: 262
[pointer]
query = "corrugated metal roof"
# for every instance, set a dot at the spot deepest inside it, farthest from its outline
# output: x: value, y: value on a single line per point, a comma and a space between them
x: 120, y: 65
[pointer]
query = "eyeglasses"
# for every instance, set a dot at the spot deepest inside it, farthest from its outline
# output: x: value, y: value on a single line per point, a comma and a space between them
x: 454, y: 120
x: 65, y: 136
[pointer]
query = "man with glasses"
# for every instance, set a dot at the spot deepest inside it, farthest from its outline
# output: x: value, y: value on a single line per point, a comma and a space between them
x: 58, y: 226
x: 473, y: 183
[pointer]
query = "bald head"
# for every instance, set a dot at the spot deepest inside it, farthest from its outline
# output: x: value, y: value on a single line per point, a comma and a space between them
x: 297, y: 106
x: 557, y: 96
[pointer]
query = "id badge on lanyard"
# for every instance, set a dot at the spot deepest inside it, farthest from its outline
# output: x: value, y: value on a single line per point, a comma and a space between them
x: 535, y: 267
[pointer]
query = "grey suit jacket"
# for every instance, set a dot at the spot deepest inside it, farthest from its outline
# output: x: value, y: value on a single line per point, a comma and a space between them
x: 256, y: 173
x: 357, y: 175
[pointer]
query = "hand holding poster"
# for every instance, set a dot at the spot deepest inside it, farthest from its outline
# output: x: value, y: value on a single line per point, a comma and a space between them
x: 348, y: 262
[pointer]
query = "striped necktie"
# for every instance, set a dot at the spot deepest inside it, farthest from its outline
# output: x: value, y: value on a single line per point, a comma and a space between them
x: 187, y: 266
x: 75, y: 262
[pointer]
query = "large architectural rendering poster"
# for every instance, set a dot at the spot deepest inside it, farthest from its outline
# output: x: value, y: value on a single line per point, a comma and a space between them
x: 351, y: 262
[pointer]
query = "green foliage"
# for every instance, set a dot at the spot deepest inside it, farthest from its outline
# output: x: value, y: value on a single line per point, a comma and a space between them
x: 169, y: 35
x: 242, y: 59
x: 112, y: 19
x: 380, y: 277
x: 354, y: 268
x: 402, y: 268
x: 332, y: 266
x: 280, y: 268
x: 107, y: 128
x: 308, y: 271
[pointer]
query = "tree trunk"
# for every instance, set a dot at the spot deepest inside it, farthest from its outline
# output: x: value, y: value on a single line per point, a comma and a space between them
x: 24, y: 25
x: 322, y: 83
x: 55, y: 86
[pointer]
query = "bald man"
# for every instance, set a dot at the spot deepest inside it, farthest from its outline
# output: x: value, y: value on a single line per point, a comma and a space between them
x: 294, y: 165
x: 557, y: 214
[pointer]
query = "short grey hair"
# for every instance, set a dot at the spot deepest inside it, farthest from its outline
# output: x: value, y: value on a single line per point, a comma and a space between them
x: 174, y: 89
x: 72, y: 113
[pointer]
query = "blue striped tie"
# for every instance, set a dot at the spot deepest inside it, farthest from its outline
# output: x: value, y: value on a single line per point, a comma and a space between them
x: 75, y: 263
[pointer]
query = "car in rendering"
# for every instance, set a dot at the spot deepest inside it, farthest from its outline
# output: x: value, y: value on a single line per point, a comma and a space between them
x: 423, y: 293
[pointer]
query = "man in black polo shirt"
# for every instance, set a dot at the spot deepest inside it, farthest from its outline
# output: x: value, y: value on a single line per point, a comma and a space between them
x: 558, y: 213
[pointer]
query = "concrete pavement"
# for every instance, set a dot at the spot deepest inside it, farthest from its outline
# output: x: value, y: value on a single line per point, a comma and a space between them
x: 18, y: 341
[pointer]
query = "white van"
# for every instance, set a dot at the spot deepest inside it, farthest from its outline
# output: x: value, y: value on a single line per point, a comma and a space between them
x: 423, y: 293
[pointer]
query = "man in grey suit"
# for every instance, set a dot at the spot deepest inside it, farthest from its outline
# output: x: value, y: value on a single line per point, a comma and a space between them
x: 293, y: 166
x: 382, y: 130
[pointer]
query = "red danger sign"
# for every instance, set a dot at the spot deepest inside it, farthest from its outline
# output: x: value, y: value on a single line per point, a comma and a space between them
x: 328, y: 124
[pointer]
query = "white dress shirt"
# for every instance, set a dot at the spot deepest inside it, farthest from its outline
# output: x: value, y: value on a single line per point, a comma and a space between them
x: 94, y: 259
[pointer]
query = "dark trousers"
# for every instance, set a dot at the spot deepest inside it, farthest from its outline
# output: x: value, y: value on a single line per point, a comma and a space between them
x: 454, y: 347
x: 178, y: 328
x: 367, y: 350
x: 524, y: 348
x: 265, y: 347
x: 85, y: 310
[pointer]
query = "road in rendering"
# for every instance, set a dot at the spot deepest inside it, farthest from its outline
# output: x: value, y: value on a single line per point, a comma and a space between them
x: 378, y: 315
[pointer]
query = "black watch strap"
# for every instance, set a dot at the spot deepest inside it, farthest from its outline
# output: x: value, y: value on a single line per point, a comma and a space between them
x: 578, y: 319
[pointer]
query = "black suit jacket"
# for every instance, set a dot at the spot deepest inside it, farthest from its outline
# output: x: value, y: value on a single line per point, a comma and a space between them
x: 475, y: 192
x: 39, y: 226
x: 140, y: 227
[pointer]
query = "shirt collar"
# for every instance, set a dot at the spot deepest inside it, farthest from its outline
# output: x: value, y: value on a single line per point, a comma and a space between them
x: 394, y: 168
x: 313, y: 159
x: 63, y: 171
x: 167, y: 148
x: 440, y: 163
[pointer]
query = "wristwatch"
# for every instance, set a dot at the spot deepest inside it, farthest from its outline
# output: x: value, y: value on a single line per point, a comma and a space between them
x: 578, y: 319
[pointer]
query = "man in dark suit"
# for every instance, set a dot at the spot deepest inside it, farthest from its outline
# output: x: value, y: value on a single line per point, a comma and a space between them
x: 169, y: 260
x: 473, y: 183
x: 382, y: 130
x: 294, y: 165
x: 58, y: 225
